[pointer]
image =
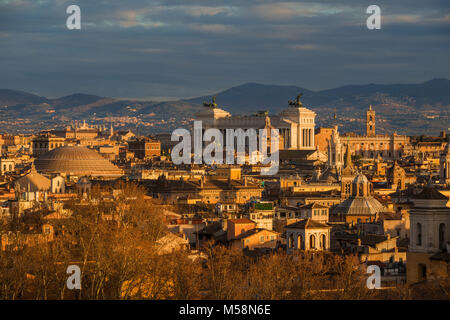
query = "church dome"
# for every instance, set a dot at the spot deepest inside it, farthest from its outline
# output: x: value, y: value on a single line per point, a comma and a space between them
x: 360, y: 179
x: 33, y: 182
x: 359, y: 206
x: 75, y: 160
x: 361, y: 201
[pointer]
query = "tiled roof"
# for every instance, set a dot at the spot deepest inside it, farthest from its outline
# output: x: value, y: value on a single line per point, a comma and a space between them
x: 430, y: 193
x: 313, y: 205
x: 359, y: 206
x: 307, y: 224
x: 34, y: 181
x: 239, y: 221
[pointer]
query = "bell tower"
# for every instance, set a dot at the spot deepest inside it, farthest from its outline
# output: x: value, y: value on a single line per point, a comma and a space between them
x: 370, y: 122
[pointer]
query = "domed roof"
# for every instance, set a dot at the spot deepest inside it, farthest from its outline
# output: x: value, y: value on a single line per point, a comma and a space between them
x: 360, y: 179
x: 359, y: 206
x: 361, y: 201
x: 33, y: 182
x: 75, y: 160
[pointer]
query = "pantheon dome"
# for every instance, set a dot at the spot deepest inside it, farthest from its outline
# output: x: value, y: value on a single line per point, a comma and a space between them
x: 76, y: 160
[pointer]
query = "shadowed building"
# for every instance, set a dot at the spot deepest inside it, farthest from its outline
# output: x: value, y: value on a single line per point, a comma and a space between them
x: 145, y: 148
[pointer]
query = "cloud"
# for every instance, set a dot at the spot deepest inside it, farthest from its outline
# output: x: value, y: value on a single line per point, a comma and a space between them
x: 401, y: 18
x: 289, y: 10
x: 187, y: 48
x: 305, y: 47
x: 198, y: 11
x: 214, y: 28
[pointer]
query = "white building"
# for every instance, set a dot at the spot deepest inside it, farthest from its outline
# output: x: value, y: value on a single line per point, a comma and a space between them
x: 295, y: 124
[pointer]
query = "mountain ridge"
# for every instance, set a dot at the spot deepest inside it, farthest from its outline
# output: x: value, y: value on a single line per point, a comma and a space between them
x: 419, y: 107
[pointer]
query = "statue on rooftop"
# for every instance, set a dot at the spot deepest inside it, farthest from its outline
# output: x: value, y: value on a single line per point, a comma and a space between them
x: 296, y: 103
x: 212, y: 104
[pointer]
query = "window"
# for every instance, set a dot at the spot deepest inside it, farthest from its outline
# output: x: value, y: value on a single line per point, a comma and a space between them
x: 419, y: 234
x: 261, y: 239
x: 291, y: 241
x: 312, y: 241
x: 442, y: 244
x: 422, y: 271
x: 323, y: 241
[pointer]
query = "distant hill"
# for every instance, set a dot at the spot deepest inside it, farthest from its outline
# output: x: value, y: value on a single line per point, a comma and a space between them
x: 251, y: 97
x: 422, y: 108
x: 77, y: 99
x: 14, y: 97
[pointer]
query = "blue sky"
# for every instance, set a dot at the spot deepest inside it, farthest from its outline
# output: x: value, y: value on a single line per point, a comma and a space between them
x: 182, y: 48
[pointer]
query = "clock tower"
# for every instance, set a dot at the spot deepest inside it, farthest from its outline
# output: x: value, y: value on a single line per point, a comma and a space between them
x: 370, y: 122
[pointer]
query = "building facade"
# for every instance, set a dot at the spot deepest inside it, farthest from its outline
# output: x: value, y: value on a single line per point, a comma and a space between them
x: 372, y: 145
x: 295, y: 124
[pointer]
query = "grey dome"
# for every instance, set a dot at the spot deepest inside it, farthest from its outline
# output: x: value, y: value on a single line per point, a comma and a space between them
x: 75, y: 160
x: 359, y: 206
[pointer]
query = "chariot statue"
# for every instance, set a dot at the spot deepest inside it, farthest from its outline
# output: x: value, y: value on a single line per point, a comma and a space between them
x: 212, y: 104
x: 296, y: 103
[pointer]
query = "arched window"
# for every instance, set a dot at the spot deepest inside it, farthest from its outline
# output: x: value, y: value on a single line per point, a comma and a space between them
x: 299, y: 242
x: 291, y: 241
x: 442, y: 243
x: 323, y: 241
x: 10, y: 167
x: 312, y: 242
x: 347, y: 188
x: 419, y: 234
